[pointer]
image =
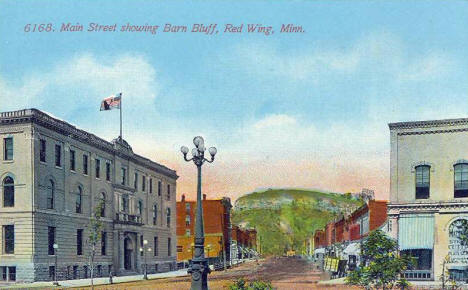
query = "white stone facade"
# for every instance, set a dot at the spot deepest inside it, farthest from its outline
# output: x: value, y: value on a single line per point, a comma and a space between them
x: 440, y: 148
x: 32, y: 213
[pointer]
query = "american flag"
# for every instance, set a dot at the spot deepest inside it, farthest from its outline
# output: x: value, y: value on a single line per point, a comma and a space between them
x: 112, y: 102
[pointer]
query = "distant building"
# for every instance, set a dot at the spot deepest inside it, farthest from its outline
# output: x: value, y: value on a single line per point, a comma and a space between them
x: 217, y: 223
x: 341, y: 238
x: 53, y: 176
x: 244, y: 243
x: 429, y: 195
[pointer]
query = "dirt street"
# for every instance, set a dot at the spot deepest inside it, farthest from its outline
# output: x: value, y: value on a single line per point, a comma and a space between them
x: 284, y: 273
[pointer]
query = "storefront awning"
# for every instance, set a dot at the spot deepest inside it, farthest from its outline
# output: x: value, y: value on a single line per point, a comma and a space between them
x: 352, y: 249
x: 416, y: 231
x: 319, y: 251
x: 461, y: 267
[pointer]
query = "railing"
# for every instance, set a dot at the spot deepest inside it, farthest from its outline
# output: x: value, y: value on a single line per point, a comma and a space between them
x: 418, y: 275
x: 125, y: 218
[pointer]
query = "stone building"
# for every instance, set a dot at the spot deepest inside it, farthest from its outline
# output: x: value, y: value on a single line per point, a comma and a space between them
x: 429, y: 195
x: 53, y: 176
x: 217, y: 223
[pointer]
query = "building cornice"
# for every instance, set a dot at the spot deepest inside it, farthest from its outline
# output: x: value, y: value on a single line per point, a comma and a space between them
x: 118, y: 147
x: 428, y: 124
x: 396, y: 208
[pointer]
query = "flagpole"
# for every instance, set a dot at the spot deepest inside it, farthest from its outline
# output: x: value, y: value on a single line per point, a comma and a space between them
x: 121, y: 116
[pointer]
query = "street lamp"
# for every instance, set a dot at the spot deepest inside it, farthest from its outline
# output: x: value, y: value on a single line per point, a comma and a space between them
x: 55, y: 246
x: 199, y: 266
x: 145, y: 242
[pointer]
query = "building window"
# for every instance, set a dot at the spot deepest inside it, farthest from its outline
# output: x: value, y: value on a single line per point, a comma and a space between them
x: 187, y: 232
x: 103, y: 243
x: 124, y: 203
x: 135, y: 181
x: 168, y: 217
x: 159, y: 188
x: 98, y: 168
x: 79, y: 200
x: 99, y: 270
x: 8, y: 192
x: 108, y: 171
x: 155, y: 214
x: 151, y: 185
x: 123, y: 174
x: 51, y: 238
x: 103, y: 204
x: 156, y: 246
x: 422, y: 181
x: 85, y: 164
x: 58, y: 155
x: 142, y: 246
x: 79, y: 242
x: 168, y: 192
x: 187, y: 220
x: 85, y: 271
x: 169, y: 247
x: 51, y: 272
x: 187, y: 208
x: 72, y: 160
x: 75, y: 272
x: 461, y: 180
x: 143, y: 183
x: 50, y: 194
x: 42, y: 150
x: 8, y: 148
x: 140, y: 208
x: 7, y: 273
x: 9, y: 239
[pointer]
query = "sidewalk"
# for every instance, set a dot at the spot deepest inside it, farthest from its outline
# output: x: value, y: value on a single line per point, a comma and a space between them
x: 97, y: 281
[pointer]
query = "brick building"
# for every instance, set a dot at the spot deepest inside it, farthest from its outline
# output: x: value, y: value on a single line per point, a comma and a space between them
x: 348, y: 231
x: 243, y: 244
x: 217, y: 222
x: 53, y: 176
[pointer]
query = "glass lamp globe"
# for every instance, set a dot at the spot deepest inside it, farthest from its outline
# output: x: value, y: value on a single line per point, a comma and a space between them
x: 213, y: 151
x: 184, y: 149
x: 197, y: 141
x: 194, y: 152
x: 201, y: 148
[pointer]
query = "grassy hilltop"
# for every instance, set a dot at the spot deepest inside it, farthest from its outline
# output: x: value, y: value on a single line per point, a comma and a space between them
x: 285, y: 218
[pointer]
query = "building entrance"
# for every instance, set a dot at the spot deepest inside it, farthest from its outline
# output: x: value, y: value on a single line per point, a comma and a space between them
x: 128, y: 253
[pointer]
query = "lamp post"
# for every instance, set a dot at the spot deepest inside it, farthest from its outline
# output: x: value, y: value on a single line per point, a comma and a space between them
x: 145, y: 273
x: 199, y: 267
x: 55, y: 267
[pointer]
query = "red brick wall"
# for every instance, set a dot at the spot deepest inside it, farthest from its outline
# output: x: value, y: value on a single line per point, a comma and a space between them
x: 377, y: 213
x: 339, y: 230
x: 319, y: 239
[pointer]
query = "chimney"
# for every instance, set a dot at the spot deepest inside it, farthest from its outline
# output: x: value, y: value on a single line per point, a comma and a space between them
x: 204, y: 196
x: 183, y: 197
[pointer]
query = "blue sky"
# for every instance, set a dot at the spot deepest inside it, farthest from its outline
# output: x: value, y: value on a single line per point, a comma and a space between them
x: 299, y: 110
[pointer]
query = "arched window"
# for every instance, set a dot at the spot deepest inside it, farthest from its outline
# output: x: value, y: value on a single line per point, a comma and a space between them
x: 168, y: 217
x: 103, y: 204
x: 50, y: 194
x: 8, y: 192
x: 155, y: 213
x: 461, y: 180
x: 422, y: 181
x: 140, y: 208
x: 79, y: 199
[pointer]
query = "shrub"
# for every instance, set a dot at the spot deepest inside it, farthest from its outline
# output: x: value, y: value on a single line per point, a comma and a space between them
x: 240, y: 284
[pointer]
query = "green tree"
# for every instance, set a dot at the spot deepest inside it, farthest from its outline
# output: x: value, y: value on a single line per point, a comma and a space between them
x: 382, y: 267
x: 94, y: 228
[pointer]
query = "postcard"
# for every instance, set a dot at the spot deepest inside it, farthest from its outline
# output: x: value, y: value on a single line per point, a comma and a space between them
x: 234, y: 144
